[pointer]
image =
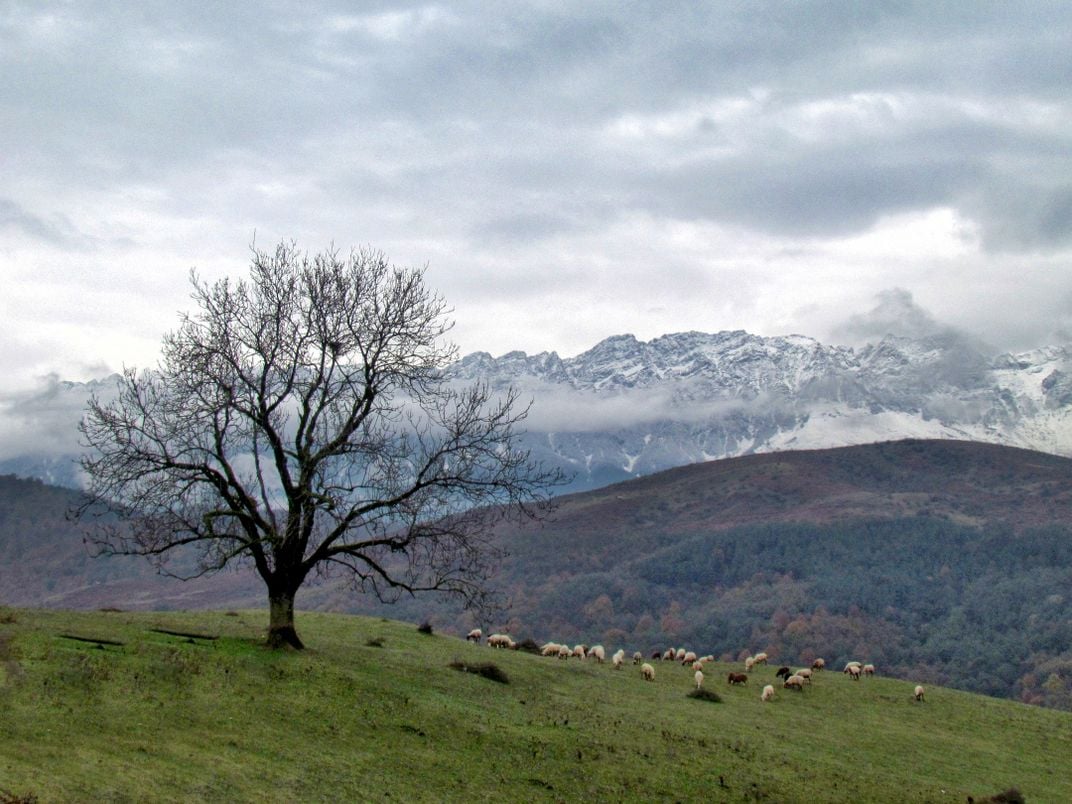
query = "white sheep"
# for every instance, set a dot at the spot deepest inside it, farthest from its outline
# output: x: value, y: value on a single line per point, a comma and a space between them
x: 668, y: 655
x: 818, y: 664
x: 579, y: 651
x: 804, y: 673
x: 698, y: 678
x: 689, y: 657
x: 647, y: 672
x: 697, y: 665
x: 794, y: 682
x: 680, y: 654
x: 854, y: 671
x: 759, y: 658
x: 550, y: 649
x: 638, y: 657
x: 707, y: 658
x: 869, y: 669
x: 618, y: 659
x: 564, y: 652
x: 597, y: 652
x: 474, y: 635
x: 850, y: 664
x: 751, y: 660
x: 501, y: 641
x: 918, y: 692
x: 767, y: 694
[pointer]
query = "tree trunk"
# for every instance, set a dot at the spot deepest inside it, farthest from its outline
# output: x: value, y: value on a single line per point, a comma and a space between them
x: 281, y: 633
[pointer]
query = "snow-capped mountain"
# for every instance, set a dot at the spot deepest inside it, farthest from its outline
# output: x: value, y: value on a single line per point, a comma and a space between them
x: 628, y: 407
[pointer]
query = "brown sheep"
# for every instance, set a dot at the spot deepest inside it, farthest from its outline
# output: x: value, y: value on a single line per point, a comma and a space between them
x: 738, y: 678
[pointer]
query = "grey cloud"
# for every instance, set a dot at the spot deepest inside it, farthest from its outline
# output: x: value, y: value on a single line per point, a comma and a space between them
x: 895, y: 313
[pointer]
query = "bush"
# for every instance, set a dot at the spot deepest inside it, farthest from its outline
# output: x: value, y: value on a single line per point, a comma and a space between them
x: 488, y: 670
x: 706, y: 695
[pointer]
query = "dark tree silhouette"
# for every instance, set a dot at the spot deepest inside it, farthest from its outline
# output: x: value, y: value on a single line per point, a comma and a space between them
x: 301, y: 421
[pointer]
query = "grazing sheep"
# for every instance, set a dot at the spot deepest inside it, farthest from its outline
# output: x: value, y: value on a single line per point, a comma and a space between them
x: 679, y: 654
x: 564, y: 652
x: 869, y: 669
x: 501, y: 641
x: 850, y: 664
x: 751, y: 660
x: 918, y: 692
x: 767, y: 694
x: 474, y: 635
x: 698, y: 678
x: 760, y: 658
x: 804, y: 673
x: 697, y: 665
x: 783, y: 672
x: 689, y: 657
x: 658, y: 655
x: 818, y: 664
x: 669, y: 654
x: 853, y: 671
x: 579, y: 651
x: 618, y: 659
x: 638, y: 657
x: 794, y: 683
x: 647, y: 672
x: 550, y: 649
x: 707, y: 658
x: 737, y: 678
x: 596, y: 652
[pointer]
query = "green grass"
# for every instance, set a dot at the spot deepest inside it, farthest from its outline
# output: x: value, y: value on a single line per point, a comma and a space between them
x: 161, y: 719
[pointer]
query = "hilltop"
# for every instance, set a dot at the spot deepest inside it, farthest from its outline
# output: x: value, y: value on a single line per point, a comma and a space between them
x: 373, y: 711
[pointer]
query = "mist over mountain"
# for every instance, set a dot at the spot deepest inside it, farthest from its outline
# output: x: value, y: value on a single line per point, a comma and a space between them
x: 626, y: 407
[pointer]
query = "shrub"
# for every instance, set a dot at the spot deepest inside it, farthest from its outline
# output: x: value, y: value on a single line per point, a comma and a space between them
x: 488, y: 670
x: 703, y: 694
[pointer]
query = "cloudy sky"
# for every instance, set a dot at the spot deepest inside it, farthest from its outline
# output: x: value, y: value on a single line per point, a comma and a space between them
x: 567, y: 171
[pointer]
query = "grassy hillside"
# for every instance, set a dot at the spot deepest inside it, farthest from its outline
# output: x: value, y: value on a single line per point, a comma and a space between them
x: 372, y: 711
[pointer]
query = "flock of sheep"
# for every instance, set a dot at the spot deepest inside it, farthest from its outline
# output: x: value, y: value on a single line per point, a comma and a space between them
x: 790, y: 679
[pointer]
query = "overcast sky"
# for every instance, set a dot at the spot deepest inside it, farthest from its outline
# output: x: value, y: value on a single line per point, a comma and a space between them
x: 566, y: 171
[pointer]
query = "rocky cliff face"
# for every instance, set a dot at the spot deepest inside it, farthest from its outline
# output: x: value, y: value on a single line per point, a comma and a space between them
x: 628, y: 407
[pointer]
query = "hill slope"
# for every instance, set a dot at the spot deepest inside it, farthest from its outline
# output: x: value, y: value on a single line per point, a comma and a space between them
x: 950, y: 562
x: 372, y: 711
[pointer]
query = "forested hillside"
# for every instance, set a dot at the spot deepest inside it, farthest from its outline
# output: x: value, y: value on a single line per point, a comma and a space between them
x: 950, y: 562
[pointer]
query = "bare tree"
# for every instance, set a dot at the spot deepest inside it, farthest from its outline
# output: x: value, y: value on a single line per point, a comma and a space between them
x: 301, y: 421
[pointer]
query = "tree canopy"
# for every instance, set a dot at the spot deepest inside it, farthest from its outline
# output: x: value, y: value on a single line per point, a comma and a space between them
x: 300, y: 420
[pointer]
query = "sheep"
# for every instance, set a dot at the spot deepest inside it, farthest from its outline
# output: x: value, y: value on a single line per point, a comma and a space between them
x: 783, y: 672
x: 918, y: 693
x: 550, y: 649
x: 805, y: 673
x: 708, y: 658
x: 501, y: 641
x: 579, y: 651
x: 818, y: 664
x: 760, y: 658
x: 689, y: 657
x: 474, y: 635
x: 869, y: 669
x: 737, y: 678
x: 618, y: 659
x: 679, y: 654
x: 767, y: 694
x: 647, y: 672
x: 669, y: 654
x: 794, y: 682
x: 853, y: 671
x: 697, y: 665
x: 751, y: 660
x: 596, y: 652
x: 698, y: 678
x: 657, y: 655
x: 564, y: 652
x: 850, y: 664
x: 638, y: 657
